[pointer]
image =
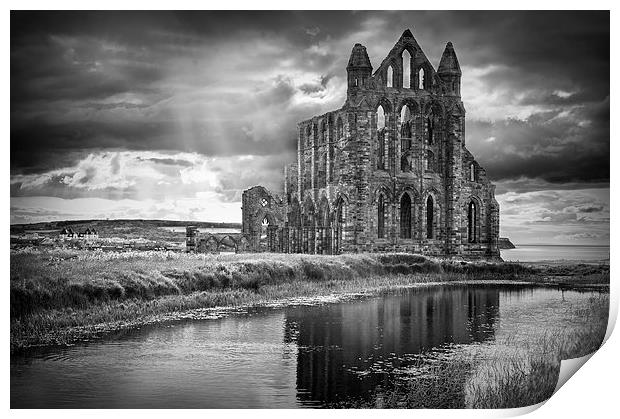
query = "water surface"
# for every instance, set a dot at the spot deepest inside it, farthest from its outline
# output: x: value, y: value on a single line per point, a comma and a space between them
x: 284, y: 357
x: 537, y: 253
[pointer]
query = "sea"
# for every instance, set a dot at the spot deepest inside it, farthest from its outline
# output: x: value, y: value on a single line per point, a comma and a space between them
x: 540, y: 252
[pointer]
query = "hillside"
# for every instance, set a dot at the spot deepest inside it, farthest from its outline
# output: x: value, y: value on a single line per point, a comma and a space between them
x: 126, y: 229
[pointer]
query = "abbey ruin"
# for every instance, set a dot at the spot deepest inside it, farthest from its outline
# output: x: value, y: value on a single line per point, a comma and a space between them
x: 389, y: 171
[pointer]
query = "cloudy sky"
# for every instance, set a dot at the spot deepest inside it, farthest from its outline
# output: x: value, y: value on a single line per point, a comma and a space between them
x: 171, y: 115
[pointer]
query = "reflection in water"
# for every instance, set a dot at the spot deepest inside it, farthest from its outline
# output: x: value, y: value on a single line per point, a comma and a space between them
x: 290, y: 357
x: 346, y: 350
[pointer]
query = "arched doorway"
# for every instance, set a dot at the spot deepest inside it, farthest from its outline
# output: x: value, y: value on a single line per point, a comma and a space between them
x: 405, y: 216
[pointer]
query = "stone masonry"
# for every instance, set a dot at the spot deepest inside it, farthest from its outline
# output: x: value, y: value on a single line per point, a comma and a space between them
x: 389, y: 171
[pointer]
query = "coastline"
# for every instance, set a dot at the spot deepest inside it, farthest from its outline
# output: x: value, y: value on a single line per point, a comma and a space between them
x: 95, y: 295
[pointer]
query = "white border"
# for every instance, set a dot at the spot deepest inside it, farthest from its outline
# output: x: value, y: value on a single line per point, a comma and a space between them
x: 592, y: 393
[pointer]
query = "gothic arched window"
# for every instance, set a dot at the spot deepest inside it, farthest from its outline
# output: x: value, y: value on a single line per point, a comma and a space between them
x: 472, y: 220
x: 381, y: 138
x: 430, y: 161
x: 404, y: 163
x: 430, y: 128
x: 380, y: 217
x: 405, y: 216
x: 421, y: 80
x: 429, y: 217
x: 406, y: 122
x: 390, y: 77
x: 406, y: 69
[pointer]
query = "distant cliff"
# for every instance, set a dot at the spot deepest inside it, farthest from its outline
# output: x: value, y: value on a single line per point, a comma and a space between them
x: 505, y: 243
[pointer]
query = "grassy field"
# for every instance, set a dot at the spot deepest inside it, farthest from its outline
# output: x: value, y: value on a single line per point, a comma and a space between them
x: 59, y: 296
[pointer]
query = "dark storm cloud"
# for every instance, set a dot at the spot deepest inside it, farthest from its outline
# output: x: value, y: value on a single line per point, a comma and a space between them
x: 557, y: 147
x: 236, y: 83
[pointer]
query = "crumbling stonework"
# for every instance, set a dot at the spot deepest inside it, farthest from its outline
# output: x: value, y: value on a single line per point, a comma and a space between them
x: 389, y: 171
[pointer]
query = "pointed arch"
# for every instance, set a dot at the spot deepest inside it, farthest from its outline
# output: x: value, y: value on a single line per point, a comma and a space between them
x: 408, y: 111
x: 421, y: 79
x: 406, y: 123
x: 406, y: 66
x: 381, y: 216
x: 339, y: 221
x: 389, y: 79
x: 435, y: 108
x: 340, y: 207
x: 382, y: 189
x: 324, y: 213
x: 473, y: 212
x: 381, y: 140
x: 381, y: 117
x: 405, y: 113
x: 264, y: 232
x: 472, y: 220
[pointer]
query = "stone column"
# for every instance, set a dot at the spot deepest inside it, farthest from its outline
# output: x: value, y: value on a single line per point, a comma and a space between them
x: 454, y: 180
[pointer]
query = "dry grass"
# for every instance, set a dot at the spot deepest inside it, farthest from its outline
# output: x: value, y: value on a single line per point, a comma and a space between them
x: 43, y: 280
x: 523, y: 370
x: 519, y: 370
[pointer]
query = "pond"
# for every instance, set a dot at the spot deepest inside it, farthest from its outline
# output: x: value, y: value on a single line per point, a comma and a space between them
x: 298, y: 356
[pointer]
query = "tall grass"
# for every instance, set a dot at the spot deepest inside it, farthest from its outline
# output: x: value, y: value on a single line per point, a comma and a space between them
x: 516, y: 371
x: 524, y: 370
x: 58, y: 289
x: 78, y: 279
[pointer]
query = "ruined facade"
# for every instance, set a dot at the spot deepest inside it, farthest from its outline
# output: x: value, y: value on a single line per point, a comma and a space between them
x: 389, y: 171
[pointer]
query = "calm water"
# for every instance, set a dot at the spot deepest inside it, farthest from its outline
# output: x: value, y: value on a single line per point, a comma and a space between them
x: 283, y: 357
x: 535, y: 253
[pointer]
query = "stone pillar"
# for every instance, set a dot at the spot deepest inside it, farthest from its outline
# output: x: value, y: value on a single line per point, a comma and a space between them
x: 454, y: 179
x: 300, y: 163
x: 365, y: 132
x: 330, y: 149
x: 313, y: 171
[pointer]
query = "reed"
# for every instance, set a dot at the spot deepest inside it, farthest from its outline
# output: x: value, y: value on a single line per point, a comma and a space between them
x: 518, y: 370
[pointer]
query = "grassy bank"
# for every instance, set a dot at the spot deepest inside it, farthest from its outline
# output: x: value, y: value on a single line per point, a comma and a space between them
x: 60, y: 296
x: 515, y: 370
